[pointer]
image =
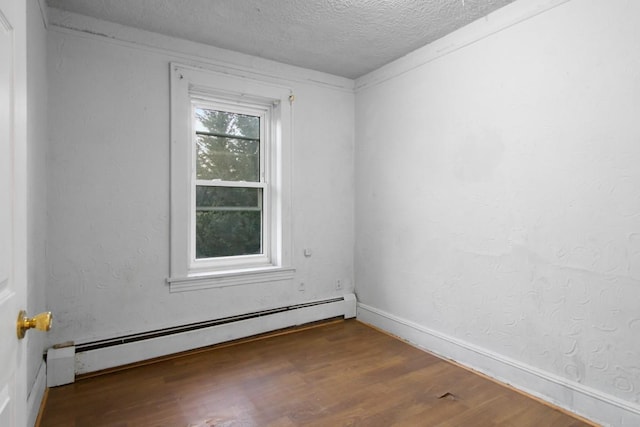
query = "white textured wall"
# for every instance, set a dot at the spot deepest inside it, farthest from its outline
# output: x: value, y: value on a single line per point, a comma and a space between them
x: 108, y: 189
x: 498, y: 193
x: 37, y: 143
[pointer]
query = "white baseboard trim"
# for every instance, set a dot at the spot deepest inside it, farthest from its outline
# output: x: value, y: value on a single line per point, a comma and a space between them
x: 36, y: 395
x: 574, y: 397
x: 132, y: 352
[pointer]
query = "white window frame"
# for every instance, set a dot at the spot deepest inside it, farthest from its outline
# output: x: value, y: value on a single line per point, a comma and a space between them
x: 267, y: 138
x: 191, y: 87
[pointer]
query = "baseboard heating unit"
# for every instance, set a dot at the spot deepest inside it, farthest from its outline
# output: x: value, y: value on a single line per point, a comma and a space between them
x: 109, y: 353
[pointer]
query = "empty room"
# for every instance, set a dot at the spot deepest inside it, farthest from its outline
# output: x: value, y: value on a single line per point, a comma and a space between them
x: 320, y: 213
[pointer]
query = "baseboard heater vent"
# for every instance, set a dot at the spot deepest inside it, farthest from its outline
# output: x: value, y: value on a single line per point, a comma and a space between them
x: 108, y: 353
x: 193, y: 326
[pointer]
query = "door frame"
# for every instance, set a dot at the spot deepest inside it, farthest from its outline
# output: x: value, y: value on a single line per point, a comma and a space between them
x: 13, y: 387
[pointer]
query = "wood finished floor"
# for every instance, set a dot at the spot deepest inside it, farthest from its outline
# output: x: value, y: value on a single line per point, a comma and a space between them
x: 340, y: 374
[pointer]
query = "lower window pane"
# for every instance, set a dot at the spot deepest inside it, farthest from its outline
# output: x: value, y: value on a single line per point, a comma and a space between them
x: 228, y: 233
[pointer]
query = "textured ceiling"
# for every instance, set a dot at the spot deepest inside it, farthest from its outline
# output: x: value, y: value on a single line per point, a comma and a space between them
x: 344, y: 37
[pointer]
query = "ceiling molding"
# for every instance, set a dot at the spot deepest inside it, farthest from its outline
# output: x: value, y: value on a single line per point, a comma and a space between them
x: 341, y: 37
x: 190, y: 53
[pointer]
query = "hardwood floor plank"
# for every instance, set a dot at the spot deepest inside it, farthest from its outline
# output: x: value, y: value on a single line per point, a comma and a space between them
x: 339, y: 374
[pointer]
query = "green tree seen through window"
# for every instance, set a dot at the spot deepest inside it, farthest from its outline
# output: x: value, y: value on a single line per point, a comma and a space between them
x: 228, y: 219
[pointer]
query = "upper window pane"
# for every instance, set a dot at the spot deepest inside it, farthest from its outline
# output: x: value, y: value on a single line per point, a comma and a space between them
x: 227, y: 146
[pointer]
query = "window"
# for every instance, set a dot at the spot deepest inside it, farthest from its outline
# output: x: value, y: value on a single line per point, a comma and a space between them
x: 230, y: 186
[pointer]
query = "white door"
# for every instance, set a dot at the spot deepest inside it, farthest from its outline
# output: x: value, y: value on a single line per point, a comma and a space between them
x: 12, y: 222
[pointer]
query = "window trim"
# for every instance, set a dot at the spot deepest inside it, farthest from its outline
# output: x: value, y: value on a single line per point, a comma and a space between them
x: 192, y: 86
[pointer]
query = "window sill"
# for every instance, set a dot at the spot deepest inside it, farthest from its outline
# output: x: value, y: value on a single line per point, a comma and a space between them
x: 198, y: 281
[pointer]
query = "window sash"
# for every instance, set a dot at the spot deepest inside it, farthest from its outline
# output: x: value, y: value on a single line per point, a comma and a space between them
x: 265, y: 137
x: 237, y: 184
x: 246, y: 206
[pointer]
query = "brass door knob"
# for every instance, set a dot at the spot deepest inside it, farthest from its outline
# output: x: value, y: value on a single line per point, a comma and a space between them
x: 41, y: 322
